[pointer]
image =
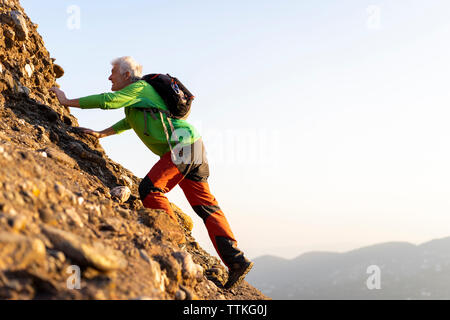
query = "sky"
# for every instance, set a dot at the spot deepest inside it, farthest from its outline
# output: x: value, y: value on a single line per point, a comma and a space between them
x: 325, y: 122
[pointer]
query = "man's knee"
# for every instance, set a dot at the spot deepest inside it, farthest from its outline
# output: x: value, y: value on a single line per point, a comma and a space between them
x: 146, y: 187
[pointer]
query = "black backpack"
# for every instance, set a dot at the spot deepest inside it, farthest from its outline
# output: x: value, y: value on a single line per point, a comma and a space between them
x: 177, y: 98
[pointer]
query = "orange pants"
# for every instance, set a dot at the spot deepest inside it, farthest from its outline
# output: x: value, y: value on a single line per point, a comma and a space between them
x: 192, y: 177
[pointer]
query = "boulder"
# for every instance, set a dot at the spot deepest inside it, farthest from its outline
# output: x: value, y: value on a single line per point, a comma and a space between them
x: 58, y: 70
x: 18, y: 252
x: 60, y: 157
x: 84, y: 253
x: 121, y: 193
x: 190, y: 270
x: 20, y: 25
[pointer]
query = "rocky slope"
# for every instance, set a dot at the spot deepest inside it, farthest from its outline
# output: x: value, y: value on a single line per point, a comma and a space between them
x: 60, y: 209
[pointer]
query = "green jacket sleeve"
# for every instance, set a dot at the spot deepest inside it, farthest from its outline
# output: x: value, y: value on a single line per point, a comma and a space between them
x: 121, y: 126
x: 113, y: 100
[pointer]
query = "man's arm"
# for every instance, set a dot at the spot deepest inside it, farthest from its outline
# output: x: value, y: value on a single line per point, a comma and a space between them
x: 112, y: 100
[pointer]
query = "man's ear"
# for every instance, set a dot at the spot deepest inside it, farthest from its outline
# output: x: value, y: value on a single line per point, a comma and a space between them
x: 128, y: 75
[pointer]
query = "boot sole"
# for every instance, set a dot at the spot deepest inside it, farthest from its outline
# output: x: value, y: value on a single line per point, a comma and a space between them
x: 241, y: 277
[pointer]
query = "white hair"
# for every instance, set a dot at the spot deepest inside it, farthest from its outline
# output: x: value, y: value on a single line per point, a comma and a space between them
x: 128, y: 64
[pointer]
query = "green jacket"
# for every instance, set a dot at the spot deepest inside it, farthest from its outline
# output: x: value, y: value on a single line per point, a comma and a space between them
x: 135, y: 97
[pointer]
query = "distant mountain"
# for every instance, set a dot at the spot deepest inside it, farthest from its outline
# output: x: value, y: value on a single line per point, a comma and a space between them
x: 406, y: 271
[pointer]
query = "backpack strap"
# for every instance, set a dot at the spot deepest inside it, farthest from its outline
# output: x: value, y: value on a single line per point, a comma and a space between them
x: 167, y: 134
x: 173, y: 129
x: 152, y: 112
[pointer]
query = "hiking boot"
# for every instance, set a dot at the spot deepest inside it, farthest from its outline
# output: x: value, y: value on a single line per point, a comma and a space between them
x: 237, y: 273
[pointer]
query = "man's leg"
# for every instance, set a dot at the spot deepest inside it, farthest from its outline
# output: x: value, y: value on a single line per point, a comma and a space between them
x: 162, y: 178
x: 207, y: 207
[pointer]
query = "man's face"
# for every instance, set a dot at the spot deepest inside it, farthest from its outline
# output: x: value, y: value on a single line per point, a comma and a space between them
x: 119, y: 81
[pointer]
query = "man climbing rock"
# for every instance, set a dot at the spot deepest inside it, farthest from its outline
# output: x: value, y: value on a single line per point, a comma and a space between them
x: 182, y: 156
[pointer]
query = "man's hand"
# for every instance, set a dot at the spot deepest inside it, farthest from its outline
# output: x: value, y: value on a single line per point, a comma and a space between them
x: 59, y: 94
x: 98, y: 134
x: 63, y: 99
x: 90, y: 132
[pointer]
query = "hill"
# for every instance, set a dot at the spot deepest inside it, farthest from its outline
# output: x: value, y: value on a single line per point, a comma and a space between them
x: 406, y: 271
x: 71, y: 222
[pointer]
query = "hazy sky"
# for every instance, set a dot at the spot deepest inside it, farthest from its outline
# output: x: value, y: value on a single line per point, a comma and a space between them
x: 326, y: 122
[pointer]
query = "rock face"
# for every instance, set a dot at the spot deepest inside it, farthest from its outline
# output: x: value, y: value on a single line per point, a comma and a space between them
x: 25, y: 65
x: 59, y: 210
